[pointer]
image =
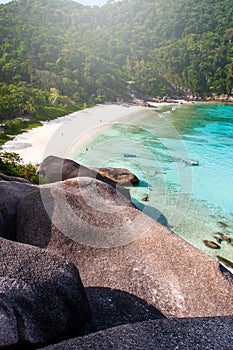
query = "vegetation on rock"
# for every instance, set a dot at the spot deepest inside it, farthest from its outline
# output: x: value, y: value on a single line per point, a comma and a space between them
x: 11, y: 164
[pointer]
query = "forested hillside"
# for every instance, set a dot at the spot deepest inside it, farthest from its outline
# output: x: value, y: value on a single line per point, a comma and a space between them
x: 61, y: 52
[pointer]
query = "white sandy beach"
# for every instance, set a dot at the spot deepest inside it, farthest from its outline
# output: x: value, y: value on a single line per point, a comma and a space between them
x: 58, y: 137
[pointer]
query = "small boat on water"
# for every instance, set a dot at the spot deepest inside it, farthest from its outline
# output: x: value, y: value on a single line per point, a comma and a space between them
x: 191, y: 162
x: 129, y: 155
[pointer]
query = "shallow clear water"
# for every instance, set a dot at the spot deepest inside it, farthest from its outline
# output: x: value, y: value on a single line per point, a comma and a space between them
x: 192, y: 199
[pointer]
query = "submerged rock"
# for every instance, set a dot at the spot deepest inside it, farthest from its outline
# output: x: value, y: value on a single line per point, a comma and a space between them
x: 211, y: 244
x: 222, y: 224
x: 218, y: 239
x: 114, y: 245
x: 145, y: 198
x: 226, y: 239
x: 41, y: 295
x: 226, y: 262
x: 219, y: 233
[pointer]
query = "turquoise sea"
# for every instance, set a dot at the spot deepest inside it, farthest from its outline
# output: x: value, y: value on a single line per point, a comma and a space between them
x: 195, y: 201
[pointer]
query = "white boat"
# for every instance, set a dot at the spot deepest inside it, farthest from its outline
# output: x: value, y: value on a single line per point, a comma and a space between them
x: 191, y: 162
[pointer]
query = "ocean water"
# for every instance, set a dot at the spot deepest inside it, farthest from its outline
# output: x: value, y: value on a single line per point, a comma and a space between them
x: 195, y: 201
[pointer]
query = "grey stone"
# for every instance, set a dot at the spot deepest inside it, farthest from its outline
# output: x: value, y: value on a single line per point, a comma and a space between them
x: 84, y: 209
x: 11, y: 192
x: 120, y: 175
x: 1, y: 225
x: 111, y: 308
x: 13, y: 178
x: 114, y: 245
x: 58, y: 169
x: 41, y: 295
x: 186, y: 334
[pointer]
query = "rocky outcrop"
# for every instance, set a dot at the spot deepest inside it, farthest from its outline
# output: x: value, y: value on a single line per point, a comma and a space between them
x: 83, y: 209
x: 12, y: 190
x: 13, y: 178
x: 211, y: 244
x: 192, y: 334
x: 225, y: 261
x: 41, y: 295
x: 57, y: 169
x: 114, y: 245
x: 133, y: 268
x: 120, y: 175
x: 1, y: 224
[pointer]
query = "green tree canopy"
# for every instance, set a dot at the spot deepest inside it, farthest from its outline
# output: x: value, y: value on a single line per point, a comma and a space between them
x: 163, y: 46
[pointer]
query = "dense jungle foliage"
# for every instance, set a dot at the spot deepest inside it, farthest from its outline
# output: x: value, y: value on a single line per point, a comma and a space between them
x: 60, y: 54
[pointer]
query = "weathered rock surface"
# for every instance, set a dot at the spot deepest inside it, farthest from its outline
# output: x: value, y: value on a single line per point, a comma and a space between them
x: 211, y: 244
x: 11, y: 192
x: 84, y: 209
x: 186, y: 334
x: 120, y: 175
x: 1, y: 224
x: 41, y: 295
x: 57, y: 169
x: 111, y: 307
x: 114, y: 245
x: 225, y: 261
x: 13, y: 178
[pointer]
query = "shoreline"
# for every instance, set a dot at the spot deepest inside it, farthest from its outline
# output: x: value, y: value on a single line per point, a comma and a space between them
x: 58, y: 136
x: 32, y: 144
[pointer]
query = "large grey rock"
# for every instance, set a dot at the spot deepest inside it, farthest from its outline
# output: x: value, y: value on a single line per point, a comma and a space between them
x: 41, y: 295
x: 120, y: 175
x: 1, y: 224
x: 12, y: 190
x: 111, y: 308
x: 13, y: 178
x: 114, y: 245
x: 58, y: 169
x: 84, y: 209
x: 186, y: 334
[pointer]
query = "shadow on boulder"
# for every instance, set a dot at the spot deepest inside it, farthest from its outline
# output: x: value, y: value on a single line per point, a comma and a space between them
x: 41, y: 295
x: 12, y: 190
x: 111, y: 308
